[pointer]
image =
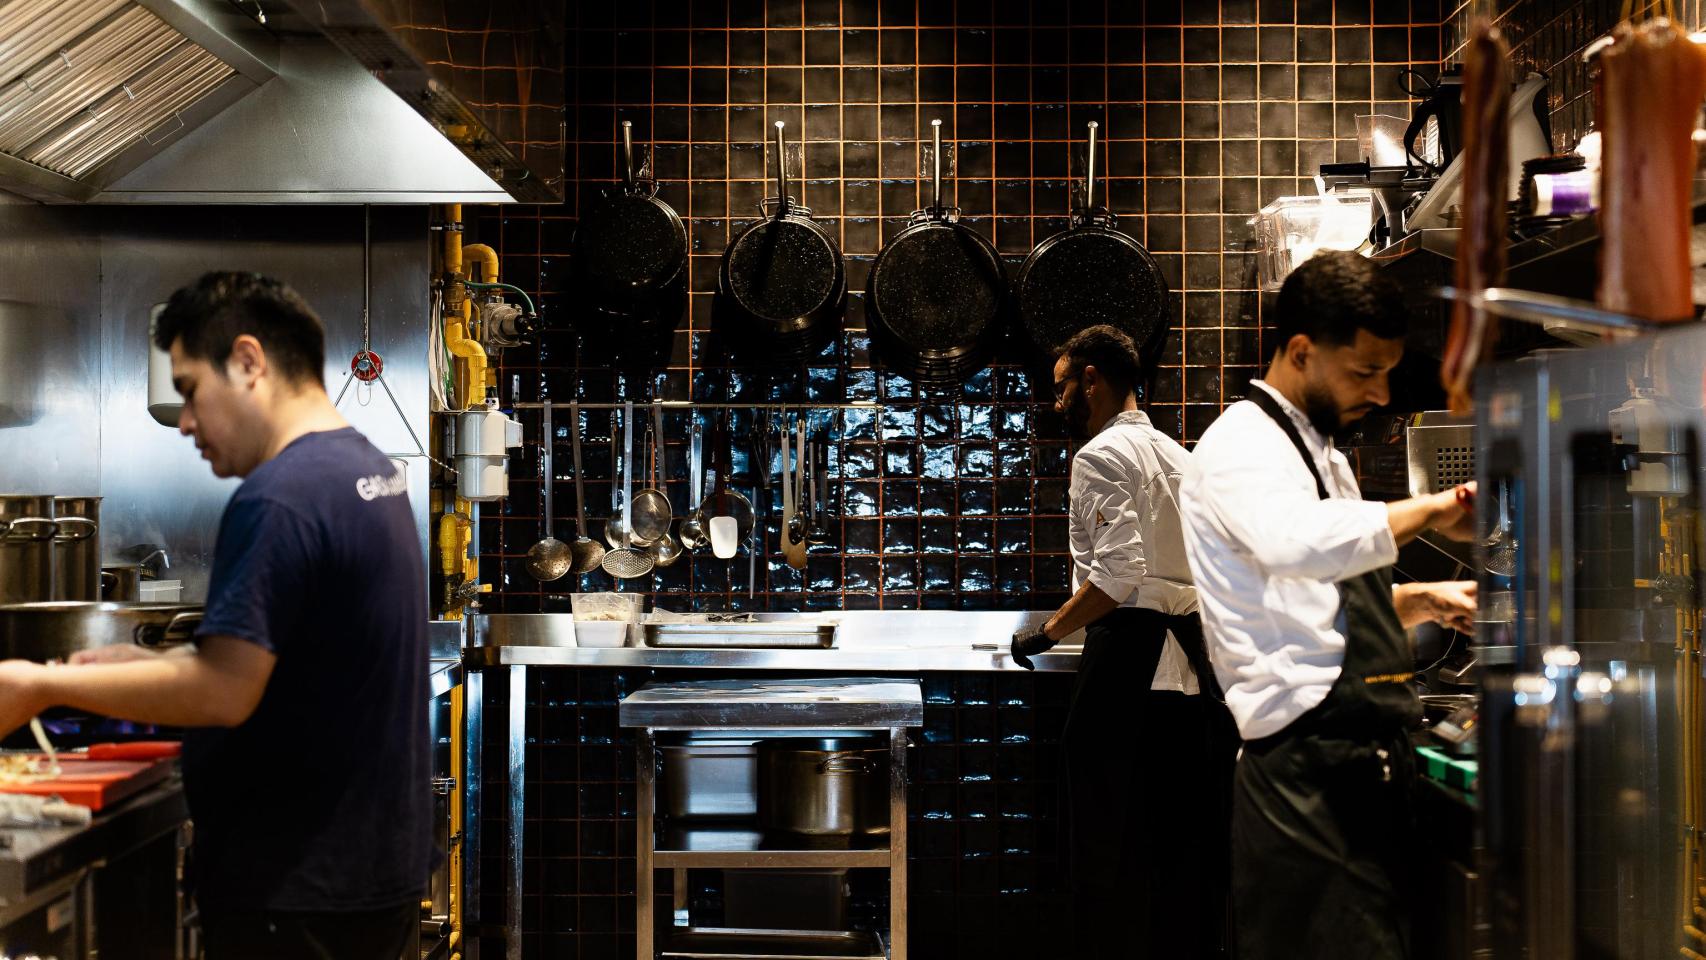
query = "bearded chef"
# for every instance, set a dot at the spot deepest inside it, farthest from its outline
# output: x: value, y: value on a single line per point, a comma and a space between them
x: 1307, y: 632
x: 1148, y: 744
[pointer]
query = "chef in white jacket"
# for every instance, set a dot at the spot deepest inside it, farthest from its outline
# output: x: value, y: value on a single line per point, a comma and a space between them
x: 1307, y: 632
x: 1148, y: 754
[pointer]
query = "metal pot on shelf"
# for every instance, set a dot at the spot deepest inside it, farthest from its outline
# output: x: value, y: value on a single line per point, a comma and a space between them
x: 824, y: 786
x: 27, y: 530
x: 55, y: 630
x: 77, y: 548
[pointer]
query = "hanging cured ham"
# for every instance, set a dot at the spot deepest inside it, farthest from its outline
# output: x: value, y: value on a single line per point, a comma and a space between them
x: 1486, y: 178
x: 1651, y: 81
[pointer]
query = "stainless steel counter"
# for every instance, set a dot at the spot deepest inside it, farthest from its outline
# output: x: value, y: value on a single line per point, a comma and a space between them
x: 867, y: 641
x: 34, y: 859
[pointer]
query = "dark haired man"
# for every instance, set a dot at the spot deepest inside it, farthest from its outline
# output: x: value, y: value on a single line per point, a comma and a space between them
x: 1145, y: 855
x: 306, y: 764
x: 1307, y: 632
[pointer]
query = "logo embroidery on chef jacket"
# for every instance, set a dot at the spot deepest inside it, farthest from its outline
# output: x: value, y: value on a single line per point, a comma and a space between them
x: 1101, y: 521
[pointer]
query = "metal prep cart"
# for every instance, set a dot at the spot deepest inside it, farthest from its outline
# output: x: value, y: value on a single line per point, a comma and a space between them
x: 770, y: 706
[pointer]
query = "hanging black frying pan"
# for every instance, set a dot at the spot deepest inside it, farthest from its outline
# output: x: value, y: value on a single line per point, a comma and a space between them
x: 1088, y: 274
x: 936, y: 294
x: 783, y: 285
x: 630, y: 257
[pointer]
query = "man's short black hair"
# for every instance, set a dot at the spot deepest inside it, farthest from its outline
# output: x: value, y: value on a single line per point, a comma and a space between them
x: 1332, y: 295
x: 1110, y: 350
x: 209, y: 315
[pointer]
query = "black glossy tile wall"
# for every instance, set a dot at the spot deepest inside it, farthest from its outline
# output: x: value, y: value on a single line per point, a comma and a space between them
x: 1548, y: 36
x: 983, y: 823
x: 952, y: 499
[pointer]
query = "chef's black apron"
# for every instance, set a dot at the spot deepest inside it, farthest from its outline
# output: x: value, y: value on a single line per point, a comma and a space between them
x: 1147, y: 796
x: 1322, y: 820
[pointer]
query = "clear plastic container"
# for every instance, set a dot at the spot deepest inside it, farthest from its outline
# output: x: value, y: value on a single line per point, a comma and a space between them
x: 607, y: 607
x: 1290, y: 230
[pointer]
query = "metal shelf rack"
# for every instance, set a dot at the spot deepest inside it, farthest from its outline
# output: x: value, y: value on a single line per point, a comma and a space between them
x: 768, y: 707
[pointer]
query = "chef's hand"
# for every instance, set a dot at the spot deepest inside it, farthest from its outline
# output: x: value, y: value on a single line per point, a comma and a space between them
x: 20, y: 693
x: 1455, y: 519
x: 1451, y: 604
x: 1028, y: 643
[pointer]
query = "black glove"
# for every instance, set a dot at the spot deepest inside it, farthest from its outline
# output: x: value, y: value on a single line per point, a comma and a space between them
x: 1027, y: 644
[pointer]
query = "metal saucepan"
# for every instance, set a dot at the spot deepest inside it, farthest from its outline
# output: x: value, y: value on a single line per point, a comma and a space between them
x: 57, y: 629
x: 1089, y: 274
x: 824, y: 786
x: 783, y: 285
x: 937, y: 294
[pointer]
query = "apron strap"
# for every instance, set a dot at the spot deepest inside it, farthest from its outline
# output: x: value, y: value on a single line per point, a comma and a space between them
x: 1271, y: 407
x: 1187, y: 630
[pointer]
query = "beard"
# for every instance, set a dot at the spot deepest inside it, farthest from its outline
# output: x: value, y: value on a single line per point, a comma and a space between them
x: 1078, y: 418
x: 1322, y: 410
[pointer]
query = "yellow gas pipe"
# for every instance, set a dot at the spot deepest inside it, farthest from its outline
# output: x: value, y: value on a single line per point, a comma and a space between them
x: 458, y: 309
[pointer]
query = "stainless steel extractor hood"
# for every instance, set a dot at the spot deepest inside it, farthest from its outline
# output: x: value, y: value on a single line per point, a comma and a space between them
x: 220, y: 101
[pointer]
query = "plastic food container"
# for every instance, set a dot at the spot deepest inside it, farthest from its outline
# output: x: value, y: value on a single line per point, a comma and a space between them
x: 605, y: 619
x: 1290, y: 230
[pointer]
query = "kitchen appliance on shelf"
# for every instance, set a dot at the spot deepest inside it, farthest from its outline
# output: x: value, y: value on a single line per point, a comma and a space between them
x: 1592, y: 751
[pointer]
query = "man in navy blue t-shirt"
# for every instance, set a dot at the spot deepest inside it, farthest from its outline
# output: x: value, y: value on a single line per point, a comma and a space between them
x: 306, y: 764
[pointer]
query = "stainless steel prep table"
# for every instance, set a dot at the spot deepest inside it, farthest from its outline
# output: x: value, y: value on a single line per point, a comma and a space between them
x: 503, y: 647
x: 771, y: 706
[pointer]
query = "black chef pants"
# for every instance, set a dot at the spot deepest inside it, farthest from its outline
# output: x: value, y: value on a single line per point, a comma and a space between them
x: 279, y: 935
x: 1147, y: 775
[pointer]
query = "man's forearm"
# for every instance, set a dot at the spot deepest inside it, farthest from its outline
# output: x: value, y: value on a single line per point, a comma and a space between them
x: 1408, y: 518
x: 175, y: 691
x: 1085, y: 607
x: 1410, y: 603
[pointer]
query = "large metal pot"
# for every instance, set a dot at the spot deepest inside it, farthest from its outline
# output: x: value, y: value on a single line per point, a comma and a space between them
x: 77, y: 548
x: 55, y: 630
x: 824, y: 786
x: 26, y: 548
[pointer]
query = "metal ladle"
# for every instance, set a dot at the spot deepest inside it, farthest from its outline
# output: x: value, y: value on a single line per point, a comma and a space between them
x: 588, y: 553
x: 625, y: 562
x: 664, y: 550
x: 550, y: 558
x: 692, y: 530
x: 817, y: 488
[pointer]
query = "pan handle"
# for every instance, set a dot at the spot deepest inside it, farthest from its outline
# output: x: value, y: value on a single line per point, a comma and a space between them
x: 781, y: 170
x: 1090, y: 171
x: 628, y: 155
x: 936, y: 165
x: 46, y: 529
x: 88, y: 529
x: 179, y: 629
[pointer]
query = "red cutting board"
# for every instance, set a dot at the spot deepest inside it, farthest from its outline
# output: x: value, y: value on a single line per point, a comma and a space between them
x: 95, y: 783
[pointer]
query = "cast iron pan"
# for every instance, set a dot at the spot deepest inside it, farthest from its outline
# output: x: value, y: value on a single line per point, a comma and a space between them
x: 630, y: 260
x: 1088, y: 274
x: 936, y: 294
x: 783, y: 285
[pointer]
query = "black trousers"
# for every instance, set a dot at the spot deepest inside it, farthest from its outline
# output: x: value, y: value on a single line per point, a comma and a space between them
x: 366, y: 935
x: 1323, y: 848
x: 1147, y: 795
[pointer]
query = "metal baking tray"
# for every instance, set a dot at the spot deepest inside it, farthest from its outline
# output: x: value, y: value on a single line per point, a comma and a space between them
x: 749, y: 636
x: 710, y: 943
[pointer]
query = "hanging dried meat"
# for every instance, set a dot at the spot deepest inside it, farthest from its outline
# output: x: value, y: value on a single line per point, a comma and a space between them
x: 1651, y: 81
x: 1486, y: 184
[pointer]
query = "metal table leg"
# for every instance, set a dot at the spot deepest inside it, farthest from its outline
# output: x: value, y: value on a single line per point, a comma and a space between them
x: 897, y: 843
x: 645, y: 924
x: 513, y: 848
x: 473, y: 775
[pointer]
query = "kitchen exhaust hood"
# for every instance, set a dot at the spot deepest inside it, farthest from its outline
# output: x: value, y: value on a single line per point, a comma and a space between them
x: 234, y: 101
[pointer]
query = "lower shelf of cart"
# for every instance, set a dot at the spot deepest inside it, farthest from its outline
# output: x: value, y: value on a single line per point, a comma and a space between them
x: 743, y: 845
x: 712, y: 943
